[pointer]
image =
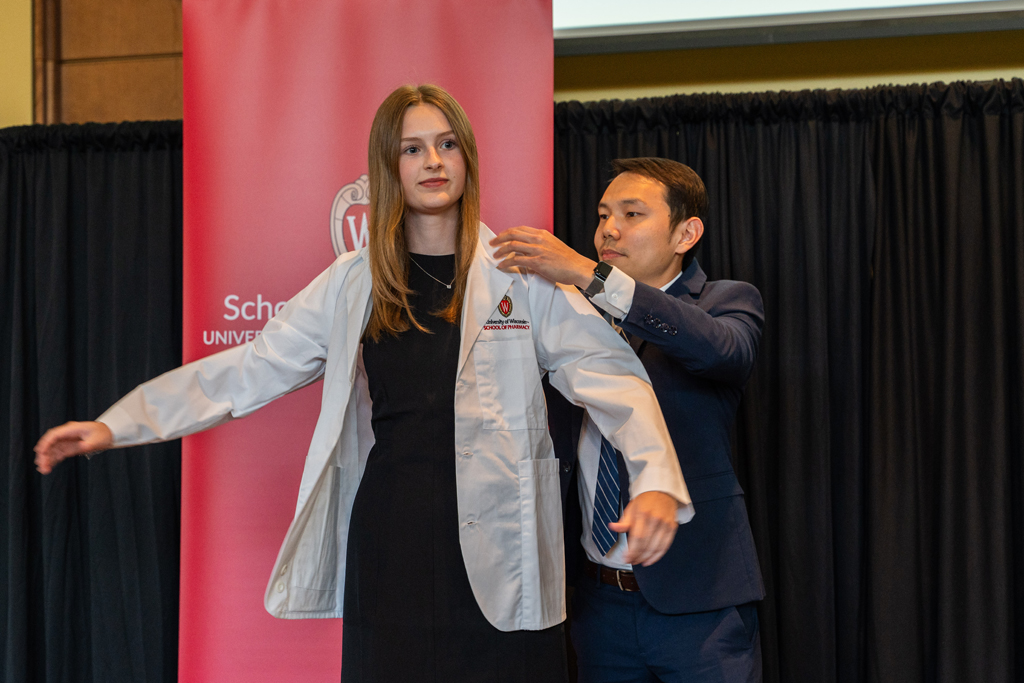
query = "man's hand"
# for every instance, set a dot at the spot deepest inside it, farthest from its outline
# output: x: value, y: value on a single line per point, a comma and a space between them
x: 544, y: 254
x: 71, y: 438
x: 650, y: 521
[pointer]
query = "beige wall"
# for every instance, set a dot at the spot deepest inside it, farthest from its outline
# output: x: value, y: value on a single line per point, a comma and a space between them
x: 15, y: 62
x: 836, y: 64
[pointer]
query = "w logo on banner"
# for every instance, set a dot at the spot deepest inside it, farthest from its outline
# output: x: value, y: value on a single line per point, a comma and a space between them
x: 348, y: 216
x: 505, y: 306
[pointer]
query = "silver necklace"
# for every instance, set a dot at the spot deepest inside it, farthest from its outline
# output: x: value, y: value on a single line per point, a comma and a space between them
x: 446, y: 284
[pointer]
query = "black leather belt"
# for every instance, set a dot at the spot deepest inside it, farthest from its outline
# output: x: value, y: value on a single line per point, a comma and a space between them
x: 622, y: 578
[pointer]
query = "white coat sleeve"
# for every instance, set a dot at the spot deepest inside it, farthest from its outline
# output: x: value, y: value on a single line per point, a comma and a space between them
x: 290, y: 353
x: 594, y: 367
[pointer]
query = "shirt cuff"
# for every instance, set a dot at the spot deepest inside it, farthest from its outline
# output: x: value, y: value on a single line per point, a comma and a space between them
x: 123, y: 428
x: 617, y: 297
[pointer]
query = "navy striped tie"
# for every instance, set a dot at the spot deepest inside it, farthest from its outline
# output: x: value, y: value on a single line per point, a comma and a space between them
x: 606, y: 499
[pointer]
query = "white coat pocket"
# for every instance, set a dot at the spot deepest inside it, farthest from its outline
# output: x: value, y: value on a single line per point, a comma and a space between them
x: 508, y: 381
x: 543, y: 545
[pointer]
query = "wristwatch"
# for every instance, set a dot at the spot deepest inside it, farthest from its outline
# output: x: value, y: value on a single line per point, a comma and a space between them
x: 601, y: 272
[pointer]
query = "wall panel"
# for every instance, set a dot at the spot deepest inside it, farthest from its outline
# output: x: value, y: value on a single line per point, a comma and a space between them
x: 138, y: 89
x: 92, y: 29
x: 107, y: 60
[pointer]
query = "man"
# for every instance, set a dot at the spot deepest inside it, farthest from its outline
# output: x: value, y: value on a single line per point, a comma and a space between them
x: 689, y: 616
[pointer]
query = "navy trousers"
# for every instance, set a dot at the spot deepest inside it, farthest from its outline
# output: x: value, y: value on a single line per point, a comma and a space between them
x: 619, y: 638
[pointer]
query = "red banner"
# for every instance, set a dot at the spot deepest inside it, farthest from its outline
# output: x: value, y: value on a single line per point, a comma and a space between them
x: 279, y: 96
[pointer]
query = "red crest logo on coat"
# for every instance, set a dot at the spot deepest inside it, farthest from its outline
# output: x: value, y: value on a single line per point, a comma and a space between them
x: 349, y: 218
x: 505, y: 306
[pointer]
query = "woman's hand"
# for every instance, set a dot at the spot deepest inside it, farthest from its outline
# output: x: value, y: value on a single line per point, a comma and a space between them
x: 650, y: 522
x: 69, y: 439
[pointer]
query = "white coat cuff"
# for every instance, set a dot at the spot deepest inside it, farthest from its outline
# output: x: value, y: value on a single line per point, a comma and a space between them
x: 121, y: 425
x: 617, y: 297
x: 653, y: 478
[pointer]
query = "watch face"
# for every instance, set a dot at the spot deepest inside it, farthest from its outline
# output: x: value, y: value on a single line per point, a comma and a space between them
x: 603, y: 270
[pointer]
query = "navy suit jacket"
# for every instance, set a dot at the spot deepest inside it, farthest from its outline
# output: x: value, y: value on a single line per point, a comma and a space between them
x: 698, y: 342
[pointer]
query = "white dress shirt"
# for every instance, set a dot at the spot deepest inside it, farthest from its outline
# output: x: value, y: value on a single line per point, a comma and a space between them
x: 616, y: 299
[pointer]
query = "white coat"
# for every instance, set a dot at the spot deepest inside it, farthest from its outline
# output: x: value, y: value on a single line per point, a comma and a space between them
x: 510, y: 524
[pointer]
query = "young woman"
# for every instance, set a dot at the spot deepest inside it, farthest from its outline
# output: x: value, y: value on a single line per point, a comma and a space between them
x: 429, y: 511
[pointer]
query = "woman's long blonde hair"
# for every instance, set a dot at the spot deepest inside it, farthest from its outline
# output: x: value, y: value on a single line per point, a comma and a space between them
x: 389, y: 253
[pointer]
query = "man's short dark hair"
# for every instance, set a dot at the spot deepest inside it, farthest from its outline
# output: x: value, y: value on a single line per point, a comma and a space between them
x: 684, y: 190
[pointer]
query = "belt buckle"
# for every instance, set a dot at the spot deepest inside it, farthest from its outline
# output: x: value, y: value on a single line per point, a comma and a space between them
x: 618, y: 579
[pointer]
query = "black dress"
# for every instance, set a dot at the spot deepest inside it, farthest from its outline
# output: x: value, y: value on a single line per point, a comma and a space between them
x: 410, y: 614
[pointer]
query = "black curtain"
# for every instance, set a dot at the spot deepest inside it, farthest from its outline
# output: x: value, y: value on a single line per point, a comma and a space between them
x: 90, y: 306
x: 879, y: 441
x: 880, y: 438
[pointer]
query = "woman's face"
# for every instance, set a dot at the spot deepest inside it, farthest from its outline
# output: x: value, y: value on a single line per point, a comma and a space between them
x: 430, y: 162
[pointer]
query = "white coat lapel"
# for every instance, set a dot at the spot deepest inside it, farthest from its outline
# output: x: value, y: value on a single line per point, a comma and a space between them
x: 351, y: 314
x: 484, y: 289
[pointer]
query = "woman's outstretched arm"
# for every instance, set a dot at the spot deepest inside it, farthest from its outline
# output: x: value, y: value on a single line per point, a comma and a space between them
x: 289, y: 354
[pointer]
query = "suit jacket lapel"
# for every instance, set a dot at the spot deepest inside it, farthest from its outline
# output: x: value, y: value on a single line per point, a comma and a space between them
x: 691, y: 282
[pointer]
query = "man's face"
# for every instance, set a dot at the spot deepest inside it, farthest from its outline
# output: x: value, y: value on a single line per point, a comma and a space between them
x: 634, y: 232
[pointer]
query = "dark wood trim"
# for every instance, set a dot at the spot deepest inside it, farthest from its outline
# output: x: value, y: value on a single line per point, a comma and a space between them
x: 122, y: 58
x: 46, y: 61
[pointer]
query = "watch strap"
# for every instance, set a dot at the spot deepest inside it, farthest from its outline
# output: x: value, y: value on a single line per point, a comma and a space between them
x: 601, y: 272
